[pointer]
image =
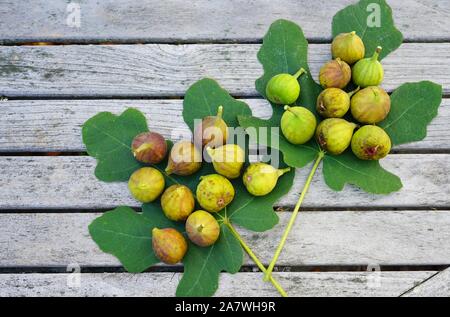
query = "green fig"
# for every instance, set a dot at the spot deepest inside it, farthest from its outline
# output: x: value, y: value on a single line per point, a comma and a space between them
x: 177, y: 202
x: 298, y: 124
x: 284, y: 89
x: 370, y: 105
x: 334, y: 102
x: 334, y: 135
x: 371, y: 143
x: 149, y: 147
x: 169, y: 245
x: 146, y: 184
x: 214, y: 192
x: 202, y: 228
x: 368, y: 71
x: 348, y: 47
x: 212, y: 131
x: 227, y: 160
x: 261, y: 178
x: 335, y: 73
x: 184, y: 159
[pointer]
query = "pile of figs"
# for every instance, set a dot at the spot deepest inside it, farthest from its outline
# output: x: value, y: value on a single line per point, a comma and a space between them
x: 213, y: 193
x: 351, y: 94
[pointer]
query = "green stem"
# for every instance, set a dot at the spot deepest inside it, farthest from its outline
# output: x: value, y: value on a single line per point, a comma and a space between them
x: 293, y: 217
x: 376, y: 53
x: 254, y: 257
x: 299, y: 73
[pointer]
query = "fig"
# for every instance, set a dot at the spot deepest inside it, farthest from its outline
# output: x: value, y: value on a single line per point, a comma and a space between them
x: 371, y: 143
x: 212, y: 131
x: 149, y: 147
x: 261, y: 178
x: 334, y: 102
x: 368, y: 71
x: 169, y: 245
x: 335, y: 73
x: 348, y: 47
x: 146, y: 184
x: 334, y: 135
x: 177, y: 202
x: 298, y: 124
x: 370, y: 105
x: 184, y: 159
x: 214, y: 192
x: 202, y: 228
x: 227, y: 160
x: 284, y: 89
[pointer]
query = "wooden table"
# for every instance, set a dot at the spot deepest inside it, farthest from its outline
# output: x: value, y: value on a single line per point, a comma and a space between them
x: 158, y: 49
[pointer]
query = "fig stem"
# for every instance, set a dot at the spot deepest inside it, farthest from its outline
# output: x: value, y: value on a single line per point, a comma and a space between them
x: 293, y: 216
x: 376, y: 53
x: 283, y: 171
x: 351, y: 93
x: 220, y: 112
x: 353, y: 32
x: 299, y: 73
x: 254, y: 257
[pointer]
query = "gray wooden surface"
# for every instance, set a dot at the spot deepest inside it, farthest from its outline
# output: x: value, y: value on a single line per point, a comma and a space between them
x: 155, y: 70
x: 411, y: 237
x: 202, y: 20
x: 242, y: 284
x: 47, y: 202
x: 55, y: 125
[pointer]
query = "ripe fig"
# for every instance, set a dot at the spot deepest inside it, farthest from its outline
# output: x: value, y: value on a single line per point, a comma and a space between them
x: 370, y: 105
x: 261, y: 178
x: 334, y: 102
x: 335, y: 73
x: 227, y: 160
x: 184, y: 159
x: 371, y: 143
x: 146, y: 184
x: 213, y: 131
x: 202, y: 228
x: 177, y: 202
x: 368, y: 71
x: 214, y: 192
x: 169, y: 245
x: 348, y: 47
x: 149, y: 147
x: 298, y: 124
x: 334, y: 135
x: 284, y: 89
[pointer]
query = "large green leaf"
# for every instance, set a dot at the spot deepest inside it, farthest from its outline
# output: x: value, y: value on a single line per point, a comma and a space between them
x: 127, y: 235
x: 413, y: 106
x: 108, y: 138
x: 372, y: 20
x: 203, y: 265
x: 367, y: 175
x: 284, y: 50
x: 203, y: 99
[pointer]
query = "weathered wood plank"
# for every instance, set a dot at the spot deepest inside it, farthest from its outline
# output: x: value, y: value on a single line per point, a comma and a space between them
x: 437, y: 286
x: 55, y: 125
x: 177, y: 20
x: 69, y: 182
x: 414, y: 237
x: 240, y: 284
x: 168, y: 70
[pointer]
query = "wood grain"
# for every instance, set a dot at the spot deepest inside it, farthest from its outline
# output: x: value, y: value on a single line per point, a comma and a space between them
x: 240, y: 284
x: 177, y: 20
x: 437, y: 286
x: 69, y: 182
x: 55, y: 125
x: 168, y: 70
x: 411, y: 237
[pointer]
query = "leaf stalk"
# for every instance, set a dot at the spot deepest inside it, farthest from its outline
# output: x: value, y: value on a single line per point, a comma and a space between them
x: 268, y: 273
x: 254, y: 257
